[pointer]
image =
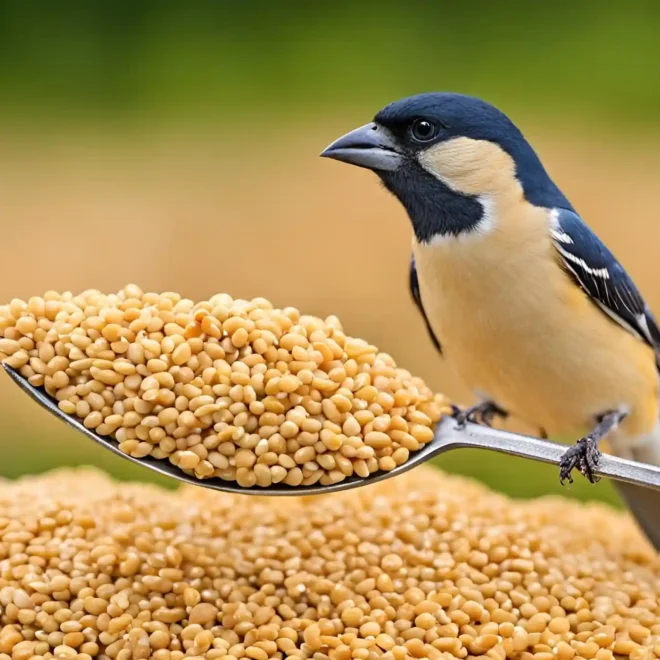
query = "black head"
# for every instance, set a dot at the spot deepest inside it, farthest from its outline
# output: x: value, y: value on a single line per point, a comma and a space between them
x: 445, y: 156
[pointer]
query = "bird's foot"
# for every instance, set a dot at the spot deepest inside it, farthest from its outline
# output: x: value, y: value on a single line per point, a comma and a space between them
x: 584, y: 455
x: 483, y: 412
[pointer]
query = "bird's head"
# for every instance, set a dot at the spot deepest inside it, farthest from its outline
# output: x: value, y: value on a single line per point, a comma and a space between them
x: 448, y: 158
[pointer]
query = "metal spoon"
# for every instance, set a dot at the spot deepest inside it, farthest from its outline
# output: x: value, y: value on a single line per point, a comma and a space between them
x: 447, y: 437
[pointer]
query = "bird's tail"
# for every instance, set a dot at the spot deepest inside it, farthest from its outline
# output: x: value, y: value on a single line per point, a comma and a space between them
x: 643, y: 503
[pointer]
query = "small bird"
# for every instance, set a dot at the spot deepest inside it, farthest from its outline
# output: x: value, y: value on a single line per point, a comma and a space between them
x: 517, y: 293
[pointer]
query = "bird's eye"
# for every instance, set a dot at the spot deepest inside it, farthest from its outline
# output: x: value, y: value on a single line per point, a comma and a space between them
x: 423, y: 130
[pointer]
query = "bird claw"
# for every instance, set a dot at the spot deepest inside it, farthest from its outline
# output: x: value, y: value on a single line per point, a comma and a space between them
x: 583, y: 456
x: 481, y: 413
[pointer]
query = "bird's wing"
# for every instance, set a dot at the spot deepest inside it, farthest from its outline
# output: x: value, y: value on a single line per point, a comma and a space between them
x: 602, y: 277
x: 417, y: 297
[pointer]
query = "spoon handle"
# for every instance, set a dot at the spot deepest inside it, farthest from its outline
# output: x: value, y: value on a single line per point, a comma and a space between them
x: 483, y: 437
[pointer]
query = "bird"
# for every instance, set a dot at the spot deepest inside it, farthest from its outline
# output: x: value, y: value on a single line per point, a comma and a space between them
x: 517, y: 293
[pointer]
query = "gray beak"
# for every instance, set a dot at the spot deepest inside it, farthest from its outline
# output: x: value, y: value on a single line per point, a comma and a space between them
x: 368, y: 146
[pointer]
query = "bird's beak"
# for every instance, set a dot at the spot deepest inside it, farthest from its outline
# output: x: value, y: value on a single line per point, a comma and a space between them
x: 368, y: 146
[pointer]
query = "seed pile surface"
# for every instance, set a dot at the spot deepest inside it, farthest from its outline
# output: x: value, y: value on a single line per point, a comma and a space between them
x: 223, y: 388
x: 427, y: 566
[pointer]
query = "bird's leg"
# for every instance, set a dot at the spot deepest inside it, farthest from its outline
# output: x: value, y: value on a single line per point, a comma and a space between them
x: 584, y: 454
x: 483, y: 412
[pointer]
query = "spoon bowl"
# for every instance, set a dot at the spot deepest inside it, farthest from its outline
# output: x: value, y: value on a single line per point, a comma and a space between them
x: 448, y: 435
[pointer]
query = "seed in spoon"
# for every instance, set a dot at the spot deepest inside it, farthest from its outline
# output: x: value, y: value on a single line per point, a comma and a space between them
x: 232, y: 389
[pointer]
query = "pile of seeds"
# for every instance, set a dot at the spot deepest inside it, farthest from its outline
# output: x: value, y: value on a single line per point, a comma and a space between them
x: 425, y: 566
x: 223, y: 388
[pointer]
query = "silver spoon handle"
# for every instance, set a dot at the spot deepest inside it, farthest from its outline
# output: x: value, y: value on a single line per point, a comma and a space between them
x: 483, y: 437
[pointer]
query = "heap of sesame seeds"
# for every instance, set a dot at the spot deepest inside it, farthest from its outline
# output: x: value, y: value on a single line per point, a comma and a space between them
x: 233, y: 389
x: 425, y: 566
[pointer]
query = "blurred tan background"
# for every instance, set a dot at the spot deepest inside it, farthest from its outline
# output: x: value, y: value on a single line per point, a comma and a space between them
x: 176, y: 146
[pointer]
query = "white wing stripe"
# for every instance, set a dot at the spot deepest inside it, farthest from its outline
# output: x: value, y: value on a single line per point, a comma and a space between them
x: 561, y: 236
x: 596, y: 272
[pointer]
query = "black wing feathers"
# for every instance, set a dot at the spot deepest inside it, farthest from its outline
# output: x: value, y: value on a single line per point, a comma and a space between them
x: 416, y: 296
x: 602, y: 277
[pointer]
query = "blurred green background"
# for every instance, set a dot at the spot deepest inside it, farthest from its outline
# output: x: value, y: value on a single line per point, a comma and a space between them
x: 175, y: 145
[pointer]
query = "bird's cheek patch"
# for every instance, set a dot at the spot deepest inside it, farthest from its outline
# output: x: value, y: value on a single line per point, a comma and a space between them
x: 471, y: 167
